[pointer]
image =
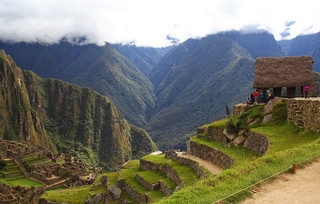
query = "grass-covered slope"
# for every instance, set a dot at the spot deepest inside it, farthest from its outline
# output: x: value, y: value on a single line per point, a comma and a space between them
x: 66, y: 118
x: 288, y: 145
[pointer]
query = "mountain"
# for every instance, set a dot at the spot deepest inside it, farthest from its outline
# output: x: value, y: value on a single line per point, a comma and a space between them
x: 262, y: 44
x: 193, y: 83
x: 145, y: 58
x: 66, y: 118
x: 101, y: 68
x: 304, y: 45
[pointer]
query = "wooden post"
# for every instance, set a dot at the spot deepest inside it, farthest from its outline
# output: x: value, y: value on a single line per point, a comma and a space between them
x: 294, y: 168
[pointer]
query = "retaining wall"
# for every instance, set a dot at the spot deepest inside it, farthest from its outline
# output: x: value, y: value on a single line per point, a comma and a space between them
x: 212, y: 155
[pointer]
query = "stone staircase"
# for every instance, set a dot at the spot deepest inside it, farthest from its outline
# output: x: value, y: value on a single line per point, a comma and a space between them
x: 298, y: 115
x: 11, y: 169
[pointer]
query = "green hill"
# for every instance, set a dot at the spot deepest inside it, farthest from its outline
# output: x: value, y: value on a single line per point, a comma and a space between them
x: 66, y: 118
x: 193, y: 83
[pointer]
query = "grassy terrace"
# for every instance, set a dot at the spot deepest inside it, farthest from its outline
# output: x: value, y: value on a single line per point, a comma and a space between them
x: 153, y: 177
x: 287, y: 145
x: 221, y: 124
x: 186, y: 173
x: 240, y: 154
x: 10, y: 172
x: 22, y: 182
x: 286, y: 136
x: 76, y: 195
x: 129, y: 174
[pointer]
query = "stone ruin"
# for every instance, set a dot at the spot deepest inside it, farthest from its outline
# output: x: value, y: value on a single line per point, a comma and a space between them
x: 21, y: 195
x: 56, y: 170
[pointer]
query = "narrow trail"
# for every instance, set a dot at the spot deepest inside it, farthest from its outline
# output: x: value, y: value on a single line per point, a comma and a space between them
x: 302, y: 187
x: 214, y: 169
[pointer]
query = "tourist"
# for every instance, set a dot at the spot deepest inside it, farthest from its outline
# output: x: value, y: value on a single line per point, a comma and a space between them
x: 267, y: 95
x: 306, y: 90
x: 261, y: 97
x: 256, y: 96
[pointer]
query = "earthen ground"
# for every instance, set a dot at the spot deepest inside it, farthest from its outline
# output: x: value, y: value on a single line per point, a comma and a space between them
x: 214, y: 169
x: 302, y: 187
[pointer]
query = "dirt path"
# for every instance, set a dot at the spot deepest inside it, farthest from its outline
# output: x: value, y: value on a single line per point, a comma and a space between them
x: 214, y: 169
x: 302, y: 187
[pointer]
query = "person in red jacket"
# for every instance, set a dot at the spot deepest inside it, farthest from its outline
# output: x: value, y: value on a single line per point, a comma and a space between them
x: 256, y: 96
x: 306, y: 90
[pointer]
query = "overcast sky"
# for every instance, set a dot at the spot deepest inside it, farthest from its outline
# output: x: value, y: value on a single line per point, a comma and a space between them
x: 150, y: 22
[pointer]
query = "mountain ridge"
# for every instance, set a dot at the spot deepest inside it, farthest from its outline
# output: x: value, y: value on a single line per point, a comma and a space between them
x: 66, y: 118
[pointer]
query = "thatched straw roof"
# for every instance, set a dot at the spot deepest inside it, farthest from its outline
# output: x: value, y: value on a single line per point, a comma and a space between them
x: 273, y: 72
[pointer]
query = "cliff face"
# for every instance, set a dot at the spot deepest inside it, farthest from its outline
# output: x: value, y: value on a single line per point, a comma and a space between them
x: 63, y: 117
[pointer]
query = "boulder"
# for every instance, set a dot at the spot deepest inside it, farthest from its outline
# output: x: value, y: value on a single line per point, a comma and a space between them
x: 270, y: 104
x: 241, y: 132
x: 114, y: 193
x: 267, y: 118
x: 239, y: 140
x: 229, y: 135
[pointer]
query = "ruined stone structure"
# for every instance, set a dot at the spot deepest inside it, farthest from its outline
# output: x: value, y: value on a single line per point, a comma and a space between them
x: 21, y: 195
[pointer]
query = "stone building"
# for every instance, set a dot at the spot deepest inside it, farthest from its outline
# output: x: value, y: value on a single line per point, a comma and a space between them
x: 288, y: 72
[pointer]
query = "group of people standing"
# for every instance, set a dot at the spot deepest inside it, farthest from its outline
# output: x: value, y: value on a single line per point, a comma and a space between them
x: 262, y: 96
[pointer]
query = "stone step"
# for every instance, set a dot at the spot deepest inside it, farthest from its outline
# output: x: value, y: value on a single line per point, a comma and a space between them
x: 16, y: 178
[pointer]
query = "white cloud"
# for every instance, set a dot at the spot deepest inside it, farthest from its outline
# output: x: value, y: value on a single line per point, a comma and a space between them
x: 148, y: 22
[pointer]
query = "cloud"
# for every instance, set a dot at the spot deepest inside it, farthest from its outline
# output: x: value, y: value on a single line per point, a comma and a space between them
x: 150, y: 22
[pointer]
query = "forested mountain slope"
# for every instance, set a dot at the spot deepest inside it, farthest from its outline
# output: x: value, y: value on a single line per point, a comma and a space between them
x: 100, y: 68
x: 193, y: 83
x: 66, y: 118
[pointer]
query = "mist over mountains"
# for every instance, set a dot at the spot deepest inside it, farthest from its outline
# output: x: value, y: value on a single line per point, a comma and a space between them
x: 167, y: 91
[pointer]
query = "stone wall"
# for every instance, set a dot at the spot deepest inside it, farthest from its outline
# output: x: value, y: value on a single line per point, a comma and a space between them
x: 174, y: 156
x: 257, y: 142
x: 133, y: 194
x: 150, y: 186
x: 213, y: 134
x: 212, y: 155
x: 239, y: 109
x: 168, y: 170
x: 306, y: 113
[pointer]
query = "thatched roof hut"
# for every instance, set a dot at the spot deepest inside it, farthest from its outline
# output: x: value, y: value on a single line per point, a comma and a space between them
x: 290, y: 72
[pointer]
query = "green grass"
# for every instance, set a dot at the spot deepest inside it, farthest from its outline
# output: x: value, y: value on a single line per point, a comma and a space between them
x: 241, y: 176
x: 112, y: 178
x: 97, y: 189
x: 153, y: 177
x: 41, y: 162
x: 70, y: 195
x: 10, y: 172
x: 185, y: 172
x: 221, y: 124
x: 22, y: 182
x: 240, y: 154
x: 286, y: 136
x: 129, y: 174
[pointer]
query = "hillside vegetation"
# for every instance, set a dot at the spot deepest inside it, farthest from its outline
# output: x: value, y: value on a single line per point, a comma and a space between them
x: 66, y: 118
x: 100, y: 68
x: 288, y: 145
x: 193, y: 83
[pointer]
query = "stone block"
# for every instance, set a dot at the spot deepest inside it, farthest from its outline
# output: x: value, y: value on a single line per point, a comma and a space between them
x: 114, y: 193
